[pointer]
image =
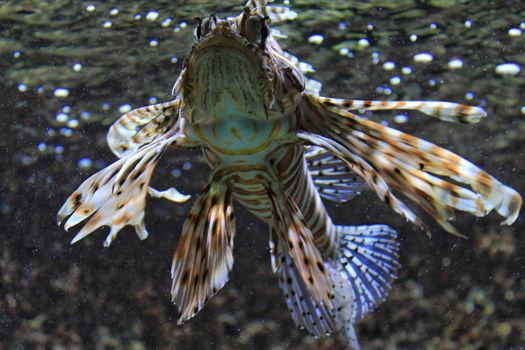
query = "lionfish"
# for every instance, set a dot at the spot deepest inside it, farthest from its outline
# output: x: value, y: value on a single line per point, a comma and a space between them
x: 279, y: 148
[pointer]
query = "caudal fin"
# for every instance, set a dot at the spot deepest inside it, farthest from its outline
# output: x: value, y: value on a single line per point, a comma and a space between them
x: 368, y: 258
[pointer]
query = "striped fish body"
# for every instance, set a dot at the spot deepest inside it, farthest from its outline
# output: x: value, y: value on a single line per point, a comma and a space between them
x: 277, y: 147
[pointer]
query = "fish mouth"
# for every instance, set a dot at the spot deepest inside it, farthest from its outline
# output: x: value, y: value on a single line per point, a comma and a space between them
x: 228, y: 39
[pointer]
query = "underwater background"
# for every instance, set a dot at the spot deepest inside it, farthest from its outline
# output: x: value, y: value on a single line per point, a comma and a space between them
x: 68, y: 69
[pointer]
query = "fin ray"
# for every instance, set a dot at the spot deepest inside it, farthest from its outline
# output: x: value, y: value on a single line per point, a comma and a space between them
x: 204, y: 255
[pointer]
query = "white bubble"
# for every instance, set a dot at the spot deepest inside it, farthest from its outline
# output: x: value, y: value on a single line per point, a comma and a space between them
x: 176, y: 173
x: 114, y: 12
x: 387, y: 91
x: 389, y: 65
x: 85, y: 163
x: 42, y: 146
x: 455, y: 63
x: 61, y: 92
x: 40, y: 90
x: 174, y: 59
x: 152, y: 16
x: 522, y: 109
x: 152, y: 100
x: 62, y: 117
x: 137, y: 17
x: 72, y: 123
x: 400, y: 119
x: 515, y: 32
x: 59, y: 149
x: 183, y: 24
x: 85, y: 115
x: 406, y: 70
x: 363, y: 42
x: 105, y: 106
x: 413, y: 37
x: 508, y: 69
x: 316, y: 39
x: 166, y: 22
x: 22, y: 87
x: 176, y: 29
x: 90, y: 8
x: 124, y: 108
x: 522, y: 25
x: 344, y: 51
x: 468, y: 23
x: 432, y: 82
x: 423, y: 57
x: 395, y: 80
x: 66, y: 109
x: 66, y: 132
x: 370, y: 26
x: 433, y: 25
x: 469, y: 95
x: 187, y: 165
x: 154, y: 43
x: 77, y: 67
x: 16, y: 54
x: 107, y: 24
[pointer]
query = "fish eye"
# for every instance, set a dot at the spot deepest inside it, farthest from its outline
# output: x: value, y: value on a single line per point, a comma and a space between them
x: 197, y: 33
x: 256, y: 30
x: 206, y: 25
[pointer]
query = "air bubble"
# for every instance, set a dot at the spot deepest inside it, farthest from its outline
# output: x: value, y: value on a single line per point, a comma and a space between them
x: 423, y: 57
x: 124, y: 108
x: 316, y: 39
x: 508, y: 69
x: 61, y: 92
x: 152, y: 16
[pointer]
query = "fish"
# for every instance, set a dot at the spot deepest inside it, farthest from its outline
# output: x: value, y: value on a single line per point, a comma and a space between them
x: 280, y: 149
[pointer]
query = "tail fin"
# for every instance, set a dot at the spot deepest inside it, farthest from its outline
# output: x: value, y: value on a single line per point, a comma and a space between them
x: 392, y: 160
x: 368, y: 258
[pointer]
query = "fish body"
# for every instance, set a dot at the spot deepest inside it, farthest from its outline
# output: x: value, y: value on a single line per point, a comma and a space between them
x: 278, y: 148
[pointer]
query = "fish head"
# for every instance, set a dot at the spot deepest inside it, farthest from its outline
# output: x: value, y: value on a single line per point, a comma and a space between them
x: 236, y: 67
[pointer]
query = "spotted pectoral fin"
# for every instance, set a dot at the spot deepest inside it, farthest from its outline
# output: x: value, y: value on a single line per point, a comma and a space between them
x: 140, y: 126
x: 446, y: 111
x: 332, y: 178
x: 294, y: 236
x: 115, y: 196
x: 203, y: 258
x: 415, y: 168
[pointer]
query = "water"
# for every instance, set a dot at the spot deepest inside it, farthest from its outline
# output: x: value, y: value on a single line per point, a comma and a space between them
x: 70, y: 68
